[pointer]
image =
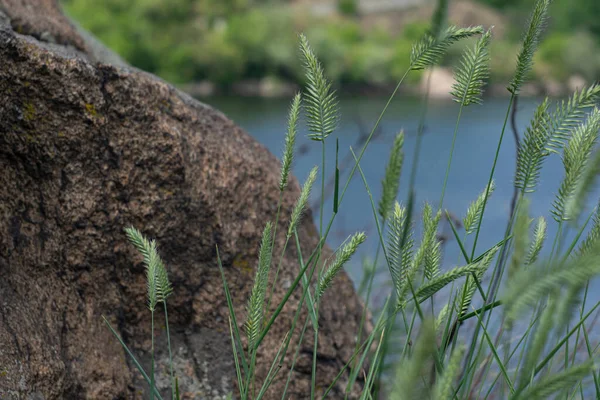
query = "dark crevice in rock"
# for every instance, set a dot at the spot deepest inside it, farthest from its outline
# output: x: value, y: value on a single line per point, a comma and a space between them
x: 190, y: 350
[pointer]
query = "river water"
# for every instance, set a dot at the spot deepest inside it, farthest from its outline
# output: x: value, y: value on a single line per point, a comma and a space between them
x: 478, y: 135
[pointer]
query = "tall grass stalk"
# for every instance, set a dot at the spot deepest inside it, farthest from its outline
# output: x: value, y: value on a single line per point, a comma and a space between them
x: 426, y: 52
x: 467, y: 90
x: 286, y: 167
x: 524, y: 64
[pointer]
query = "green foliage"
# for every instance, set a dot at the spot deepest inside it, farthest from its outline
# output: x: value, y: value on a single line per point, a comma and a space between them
x: 530, y: 44
x: 391, y: 181
x: 473, y: 73
x: 504, y: 3
x: 548, y: 132
x: 502, y: 60
x: 408, y: 383
x: 466, y: 293
x: 159, y: 286
x: 521, y: 238
x: 342, y: 257
x: 568, y: 114
x: 575, y: 159
x: 415, y: 30
x: 439, y: 19
x: 558, y: 382
x: 580, y: 15
x: 188, y: 41
x: 290, y: 140
x: 300, y: 206
x: 439, y: 282
x: 256, y: 303
x: 551, y: 55
x: 532, y: 151
x: 581, y: 56
x: 548, y: 291
x: 443, y: 387
x: 429, y: 50
x: 321, y: 103
x: 368, y: 62
x: 400, y: 61
x: 539, y: 236
x: 576, y: 201
x: 348, y: 7
x: 591, y: 240
x: 532, y: 284
x: 400, y: 252
x: 475, y: 209
x: 427, y: 257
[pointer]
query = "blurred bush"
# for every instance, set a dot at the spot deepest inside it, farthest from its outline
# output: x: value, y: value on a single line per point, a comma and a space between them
x: 348, y: 7
x: 226, y: 41
x: 561, y: 56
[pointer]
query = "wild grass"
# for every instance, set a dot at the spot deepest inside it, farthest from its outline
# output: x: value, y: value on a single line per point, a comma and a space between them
x: 528, y: 338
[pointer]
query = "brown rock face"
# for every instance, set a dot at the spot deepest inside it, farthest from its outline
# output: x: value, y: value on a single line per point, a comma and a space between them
x: 87, y: 149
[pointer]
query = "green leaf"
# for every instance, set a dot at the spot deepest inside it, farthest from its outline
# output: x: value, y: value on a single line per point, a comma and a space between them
x: 429, y: 50
x: 300, y: 205
x: 157, y: 280
x: 521, y: 238
x: 568, y: 115
x: 465, y: 296
x: 576, y: 157
x: 336, y: 190
x: 138, y: 366
x: 236, y: 331
x: 530, y: 285
x: 473, y: 72
x: 439, y: 19
x: 400, y: 254
x: 343, y: 256
x: 538, y: 342
x: 428, y: 256
x: 408, y: 381
x: 435, y: 285
x: 532, y: 151
x: 548, y: 132
x: 539, y: 236
x: 530, y: 44
x: 259, y: 290
x: 471, y: 220
x: 549, y: 385
x: 443, y: 386
x: 290, y: 141
x: 321, y: 103
x: 391, y: 182
x: 592, y: 239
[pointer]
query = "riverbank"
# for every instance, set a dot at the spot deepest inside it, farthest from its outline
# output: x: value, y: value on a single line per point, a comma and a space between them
x: 441, y: 83
x: 250, y: 50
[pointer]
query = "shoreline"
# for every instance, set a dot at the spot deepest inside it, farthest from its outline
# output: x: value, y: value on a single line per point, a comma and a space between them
x: 441, y: 85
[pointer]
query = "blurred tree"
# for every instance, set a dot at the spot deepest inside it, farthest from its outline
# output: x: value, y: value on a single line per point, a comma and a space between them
x: 226, y: 41
x: 348, y: 7
x: 578, y: 15
x: 525, y: 4
x: 567, y: 15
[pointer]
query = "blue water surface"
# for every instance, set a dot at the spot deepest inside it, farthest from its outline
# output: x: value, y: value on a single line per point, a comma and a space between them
x: 478, y: 135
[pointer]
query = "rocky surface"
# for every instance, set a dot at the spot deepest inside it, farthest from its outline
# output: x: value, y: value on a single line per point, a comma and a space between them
x: 88, y: 148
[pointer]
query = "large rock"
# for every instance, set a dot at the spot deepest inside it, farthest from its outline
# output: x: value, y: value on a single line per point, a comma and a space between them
x: 87, y: 149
